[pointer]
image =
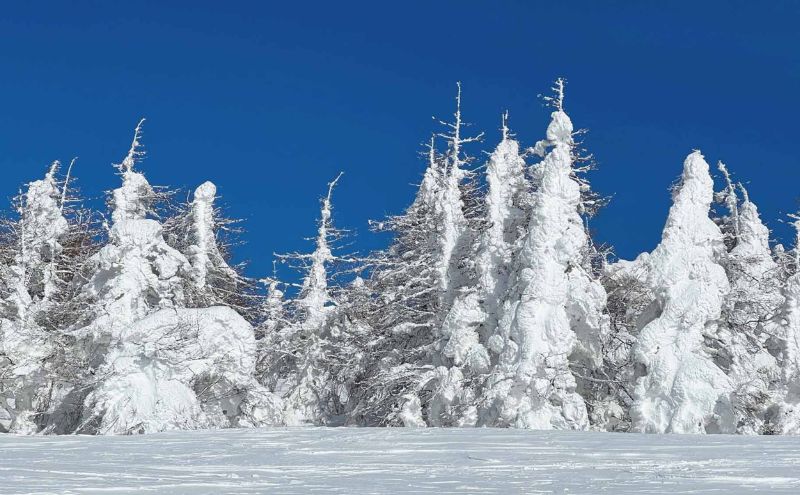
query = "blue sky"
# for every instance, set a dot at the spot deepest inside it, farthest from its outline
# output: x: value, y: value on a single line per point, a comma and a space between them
x: 270, y: 100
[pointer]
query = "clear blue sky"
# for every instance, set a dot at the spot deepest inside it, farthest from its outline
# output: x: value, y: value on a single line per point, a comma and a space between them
x: 271, y: 99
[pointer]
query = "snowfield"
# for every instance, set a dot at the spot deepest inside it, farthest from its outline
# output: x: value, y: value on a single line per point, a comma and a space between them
x: 388, y: 460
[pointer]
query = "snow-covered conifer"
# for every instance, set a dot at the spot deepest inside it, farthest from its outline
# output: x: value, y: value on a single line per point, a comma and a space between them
x: 407, y: 281
x: 741, y: 343
x: 157, y: 365
x: 507, y: 204
x: 300, y: 368
x: 553, y: 311
x: 461, y: 353
x: 202, y: 234
x: 33, y: 248
x: 680, y: 389
x: 136, y: 272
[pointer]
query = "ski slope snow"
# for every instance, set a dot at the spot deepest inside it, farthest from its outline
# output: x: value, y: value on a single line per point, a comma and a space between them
x: 398, y: 460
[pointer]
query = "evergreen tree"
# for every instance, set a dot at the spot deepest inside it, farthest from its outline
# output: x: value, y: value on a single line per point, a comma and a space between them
x: 407, y: 281
x: 154, y: 364
x: 32, y: 247
x: 459, y: 355
x: 679, y: 388
x: 301, y: 367
x: 507, y: 211
x: 740, y: 347
x: 204, y: 236
x: 552, y: 315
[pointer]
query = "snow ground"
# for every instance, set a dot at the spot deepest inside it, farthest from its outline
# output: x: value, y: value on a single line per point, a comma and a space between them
x: 344, y: 460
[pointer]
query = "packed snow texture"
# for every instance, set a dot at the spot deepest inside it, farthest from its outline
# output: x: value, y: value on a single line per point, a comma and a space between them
x: 394, y: 460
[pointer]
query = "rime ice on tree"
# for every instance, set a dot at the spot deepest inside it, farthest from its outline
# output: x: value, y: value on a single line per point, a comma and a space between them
x: 532, y: 385
x: 29, y: 284
x: 163, y: 366
x: 743, y: 338
x: 681, y: 390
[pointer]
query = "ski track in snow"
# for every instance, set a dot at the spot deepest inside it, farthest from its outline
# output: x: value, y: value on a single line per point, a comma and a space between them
x: 385, y: 460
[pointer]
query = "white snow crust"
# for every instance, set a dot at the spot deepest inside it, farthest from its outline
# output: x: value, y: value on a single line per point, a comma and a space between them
x: 398, y: 460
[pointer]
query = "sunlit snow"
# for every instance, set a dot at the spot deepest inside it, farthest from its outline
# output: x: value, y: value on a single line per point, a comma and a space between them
x: 399, y: 460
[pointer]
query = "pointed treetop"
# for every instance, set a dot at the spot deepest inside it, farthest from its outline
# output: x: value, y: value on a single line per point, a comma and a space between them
x: 135, y: 153
x: 457, y: 126
x: 51, y: 173
x: 66, y: 183
x: 432, y: 151
x: 557, y: 100
x: 325, y: 214
x: 454, y: 137
x: 331, y: 185
x: 504, y: 128
x: 729, y: 197
x: 729, y: 187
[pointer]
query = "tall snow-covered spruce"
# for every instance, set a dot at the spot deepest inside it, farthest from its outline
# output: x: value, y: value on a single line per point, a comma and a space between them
x: 552, y: 315
x: 460, y: 354
x: 29, y: 283
x: 507, y: 208
x: 742, y: 342
x: 407, y: 280
x: 301, y: 357
x: 681, y: 389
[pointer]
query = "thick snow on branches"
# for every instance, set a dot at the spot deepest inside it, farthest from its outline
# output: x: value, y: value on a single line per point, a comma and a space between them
x: 681, y: 389
x: 550, y: 301
x: 490, y: 306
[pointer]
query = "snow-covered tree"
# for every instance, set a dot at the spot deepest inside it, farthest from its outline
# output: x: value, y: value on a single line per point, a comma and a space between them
x: 204, y: 235
x: 473, y: 316
x: 28, y: 348
x: 406, y: 279
x: 680, y: 389
x: 156, y: 365
x: 552, y: 315
x: 783, y: 417
x: 426, y: 314
x: 136, y: 273
x: 460, y: 354
x: 300, y: 366
x: 507, y: 205
x: 741, y: 343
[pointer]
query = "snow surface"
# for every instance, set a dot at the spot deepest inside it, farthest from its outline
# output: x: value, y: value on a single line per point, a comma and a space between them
x: 388, y: 460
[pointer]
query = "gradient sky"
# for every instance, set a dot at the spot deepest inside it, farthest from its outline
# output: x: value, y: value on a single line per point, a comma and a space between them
x: 271, y: 99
